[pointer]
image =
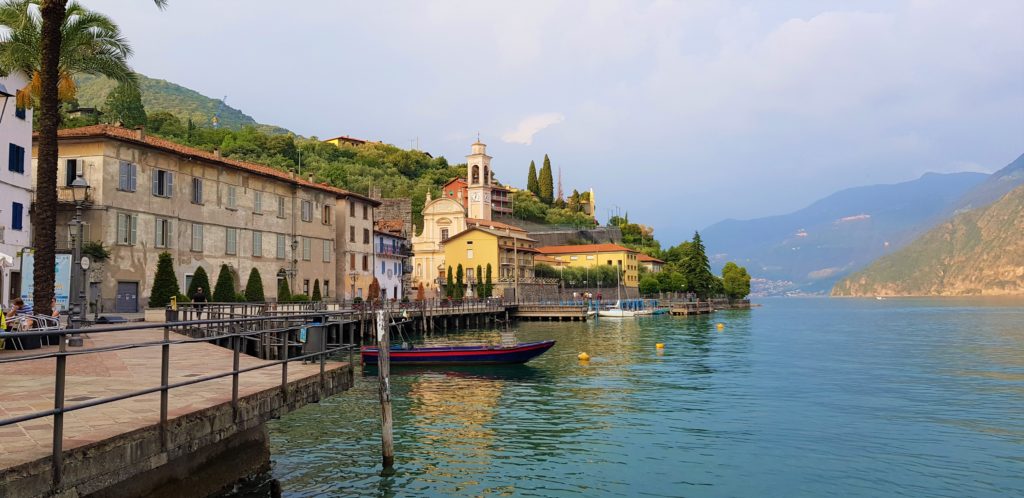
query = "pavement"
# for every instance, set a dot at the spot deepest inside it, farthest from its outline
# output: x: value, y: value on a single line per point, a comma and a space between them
x: 28, y: 386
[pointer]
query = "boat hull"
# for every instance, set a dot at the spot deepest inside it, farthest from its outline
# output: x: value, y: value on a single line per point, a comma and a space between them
x: 460, y: 355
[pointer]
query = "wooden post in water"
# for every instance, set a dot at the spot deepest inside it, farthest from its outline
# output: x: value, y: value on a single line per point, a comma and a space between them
x: 384, y: 382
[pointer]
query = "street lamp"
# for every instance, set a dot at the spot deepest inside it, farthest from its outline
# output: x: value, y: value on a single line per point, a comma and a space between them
x: 79, y: 193
x: 6, y: 95
x: 294, y: 270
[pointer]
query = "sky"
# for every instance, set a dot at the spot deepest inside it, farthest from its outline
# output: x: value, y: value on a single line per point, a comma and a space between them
x: 681, y: 113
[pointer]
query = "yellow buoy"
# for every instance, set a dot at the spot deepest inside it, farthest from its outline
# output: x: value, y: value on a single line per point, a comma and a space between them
x: 720, y: 326
x: 660, y: 345
x: 583, y: 356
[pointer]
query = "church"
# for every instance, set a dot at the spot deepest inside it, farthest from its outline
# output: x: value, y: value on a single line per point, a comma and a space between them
x: 463, y: 233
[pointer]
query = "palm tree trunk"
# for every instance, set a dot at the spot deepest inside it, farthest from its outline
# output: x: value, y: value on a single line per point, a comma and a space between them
x: 44, y: 213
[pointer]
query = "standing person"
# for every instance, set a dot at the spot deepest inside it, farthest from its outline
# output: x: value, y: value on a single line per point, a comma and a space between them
x: 198, y: 298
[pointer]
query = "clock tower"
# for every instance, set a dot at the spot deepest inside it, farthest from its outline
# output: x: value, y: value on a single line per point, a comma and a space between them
x: 478, y: 182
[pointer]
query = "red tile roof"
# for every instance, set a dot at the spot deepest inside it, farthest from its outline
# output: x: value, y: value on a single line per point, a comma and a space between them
x: 390, y: 227
x: 139, y: 137
x: 492, y: 224
x: 643, y: 258
x: 582, y: 249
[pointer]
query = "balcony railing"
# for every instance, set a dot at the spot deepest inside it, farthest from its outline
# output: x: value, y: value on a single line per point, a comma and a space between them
x: 64, y: 194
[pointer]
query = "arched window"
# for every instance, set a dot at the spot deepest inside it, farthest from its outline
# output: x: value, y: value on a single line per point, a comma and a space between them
x: 476, y: 175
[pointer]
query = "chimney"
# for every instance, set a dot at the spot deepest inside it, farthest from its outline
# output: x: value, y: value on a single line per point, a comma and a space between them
x: 311, y: 178
x: 140, y: 132
x: 374, y: 193
x: 216, y: 152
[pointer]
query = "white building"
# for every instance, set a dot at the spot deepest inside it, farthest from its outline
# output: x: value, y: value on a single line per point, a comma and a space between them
x: 15, y: 183
x: 389, y: 257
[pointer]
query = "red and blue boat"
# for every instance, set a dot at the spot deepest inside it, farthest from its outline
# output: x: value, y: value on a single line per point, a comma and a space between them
x: 459, y: 355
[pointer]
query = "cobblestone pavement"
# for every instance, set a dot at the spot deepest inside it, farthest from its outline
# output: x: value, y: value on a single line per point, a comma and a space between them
x: 28, y: 386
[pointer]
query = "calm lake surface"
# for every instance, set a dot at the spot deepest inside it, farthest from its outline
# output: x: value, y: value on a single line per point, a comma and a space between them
x: 800, y: 397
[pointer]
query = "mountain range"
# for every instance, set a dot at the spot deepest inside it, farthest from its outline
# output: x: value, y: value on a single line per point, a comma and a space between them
x: 807, y: 251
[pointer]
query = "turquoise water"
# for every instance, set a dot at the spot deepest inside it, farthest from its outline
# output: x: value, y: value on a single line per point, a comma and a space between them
x: 800, y: 397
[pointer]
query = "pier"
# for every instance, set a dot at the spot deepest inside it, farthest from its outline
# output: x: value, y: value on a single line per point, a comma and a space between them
x: 691, y: 308
x: 143, y: 410
x: 551, y: 312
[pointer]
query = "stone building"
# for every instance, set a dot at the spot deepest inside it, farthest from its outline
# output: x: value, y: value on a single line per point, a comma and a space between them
x: 15, y: 185
x: 355, y: 245
x: 149, y: 195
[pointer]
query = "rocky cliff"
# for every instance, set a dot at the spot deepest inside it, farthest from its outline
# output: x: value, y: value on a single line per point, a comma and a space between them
x: 979, y: 252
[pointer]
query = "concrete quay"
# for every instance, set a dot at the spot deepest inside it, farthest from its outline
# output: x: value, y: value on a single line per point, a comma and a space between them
x: 120, y: 448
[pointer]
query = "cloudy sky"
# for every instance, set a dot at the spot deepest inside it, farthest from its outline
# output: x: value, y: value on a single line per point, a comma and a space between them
x: 680, y: 112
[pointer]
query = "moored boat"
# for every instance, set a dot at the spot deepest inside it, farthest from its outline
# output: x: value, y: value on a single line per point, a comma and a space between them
x: 459, y: 355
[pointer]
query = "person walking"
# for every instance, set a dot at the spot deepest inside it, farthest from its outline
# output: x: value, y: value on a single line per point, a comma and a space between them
x: 198, y: 298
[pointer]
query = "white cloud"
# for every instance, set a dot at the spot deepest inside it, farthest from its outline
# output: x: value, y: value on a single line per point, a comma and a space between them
x: 530, y: 126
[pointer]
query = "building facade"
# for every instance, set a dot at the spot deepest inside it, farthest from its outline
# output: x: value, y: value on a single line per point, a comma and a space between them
x: 501, y: 197
x: 355, y: 245
x: 390, y: 250
x: 15, y: 185
x: 590, y: 255
x: 652, y: 264
x: 149, y: 195
x: 509, y: 252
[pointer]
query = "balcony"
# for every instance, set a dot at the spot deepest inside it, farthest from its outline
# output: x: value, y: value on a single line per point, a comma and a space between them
x: 64, y: 195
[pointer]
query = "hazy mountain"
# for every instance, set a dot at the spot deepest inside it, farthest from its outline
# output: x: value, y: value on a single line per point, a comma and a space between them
x: 161, y: 95
x: 815, y: 246
x: 994, y: 187
x: 979, y: 252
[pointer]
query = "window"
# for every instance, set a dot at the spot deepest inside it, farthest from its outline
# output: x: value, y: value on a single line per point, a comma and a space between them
x: 163, y: 183
x: 305, y: 286
x: 280, y: 246
x: 325, y: 217
x: 351, y: 234
x: 197, y: 191
x: 351, y: 209
x: 573, y: 258
x: 590, y: 257
x: 16, y: 159
x: 327, y: 288
x: 232, y: 197
x: 257, y: 244
x: 257, y: 202
x: 163, y: 233
x: 306, y: 248
x: 327, y: 251
x: 351, y: 261
x: 444, y: 234
x: 365, y: 210
x: 307, y: 211
x: 70, y: 171
x: 366, y: 235
x: 231, y: 241
x: 127, y: 226
x: 17, y: 215
x: 126, y: 176
x: 469, y: 254
x: 366, y: 263
x: 197, y: 237
x: 19, y: 112
x: 280, y: 206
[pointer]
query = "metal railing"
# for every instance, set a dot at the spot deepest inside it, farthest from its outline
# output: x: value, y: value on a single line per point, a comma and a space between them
x: 236, y: 330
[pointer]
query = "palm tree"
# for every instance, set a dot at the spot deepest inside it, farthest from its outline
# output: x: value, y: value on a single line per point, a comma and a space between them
x: 51, y: 45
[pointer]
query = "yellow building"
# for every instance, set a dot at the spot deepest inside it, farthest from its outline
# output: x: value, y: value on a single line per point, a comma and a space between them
x: 508, y: 250
x: 590, y: 255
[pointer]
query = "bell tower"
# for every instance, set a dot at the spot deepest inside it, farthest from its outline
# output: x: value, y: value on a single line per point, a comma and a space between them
x: 478, y: 182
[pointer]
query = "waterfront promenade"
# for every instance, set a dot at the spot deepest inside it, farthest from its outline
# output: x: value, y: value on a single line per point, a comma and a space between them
x: 107, y: 443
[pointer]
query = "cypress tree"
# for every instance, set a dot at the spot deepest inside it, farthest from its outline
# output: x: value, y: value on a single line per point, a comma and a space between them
x: 254, y: 287
x: 316, y: 291
x: 459, y: 289
x: 165, y: 285
x: 224, y: 292
x: 374, y: 291
x: 284, y: 293
x: 124, y: 105
x: 479, y: 281
x: 488, y: 285
x: 199, y: 280
x: 531, y: 180
x: 547, y: 183
x: 450, y: 287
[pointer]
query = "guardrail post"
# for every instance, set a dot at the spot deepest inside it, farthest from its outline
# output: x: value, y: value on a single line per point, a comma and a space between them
x: 58, y: 416
x: 235, y: 346
x: 283, y: 355
x: 165, y: 368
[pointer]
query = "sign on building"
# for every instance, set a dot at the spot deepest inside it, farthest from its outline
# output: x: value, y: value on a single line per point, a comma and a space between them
x: 61, y: 284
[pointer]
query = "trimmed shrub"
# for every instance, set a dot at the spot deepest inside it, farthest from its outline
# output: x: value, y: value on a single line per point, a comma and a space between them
x: 316, y: 291
x: 165, y: 284
x: 199, y: 279
x: 224, y: 292
x: 254, y: 287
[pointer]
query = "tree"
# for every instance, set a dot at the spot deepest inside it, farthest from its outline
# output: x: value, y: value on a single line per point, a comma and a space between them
x: 480, y: 287
x: 526, y: 206
x: 124, y: 105
x: 460, y: 291
x: 199, y: 280
x: 696, y: 268
x: 316, y: 291
x: 488, y: 284
x: 224, y: 291
x: 284, y: 293
x: 254, y: 287
x: 51, y: 47
x: 531, y: 180
x: 649, y: 285
x: 547, y: 183
x: 165, y: 284
x: 421, y: 293
x: 449, y: 288
x: 735, y: 281
x: 374, y: 292
x: 544, y: 270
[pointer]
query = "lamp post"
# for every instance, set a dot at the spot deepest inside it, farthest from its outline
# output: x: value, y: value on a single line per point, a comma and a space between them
x: 79, y: 193
x: 6, y: 95
x: 352, y: 276
x: 294, y: 270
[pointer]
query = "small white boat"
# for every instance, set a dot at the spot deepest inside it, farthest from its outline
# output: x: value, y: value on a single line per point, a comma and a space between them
x: 880, y: 298
x: 616, y: 313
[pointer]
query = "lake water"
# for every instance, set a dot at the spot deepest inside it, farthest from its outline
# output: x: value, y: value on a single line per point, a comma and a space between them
x: 800, y: 397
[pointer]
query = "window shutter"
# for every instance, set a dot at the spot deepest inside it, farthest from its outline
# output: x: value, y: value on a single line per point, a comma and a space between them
x: 135, y: 225
x: 16, y: 215
x: 121, y: 229
x: 122, y: 176
x: 170, y: 184
x: 156, y: 182
x: 132, y: 172
x: 12, y: 154
x: 158, y: 236
x: 21, y: 159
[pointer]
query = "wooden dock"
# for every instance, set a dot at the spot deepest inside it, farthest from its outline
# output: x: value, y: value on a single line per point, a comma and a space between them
x: 691, y: 308
x: 550, y: 312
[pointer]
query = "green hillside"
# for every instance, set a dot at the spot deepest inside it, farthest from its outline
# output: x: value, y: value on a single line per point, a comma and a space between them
x: 980, y: 252
x: 161, y: 95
